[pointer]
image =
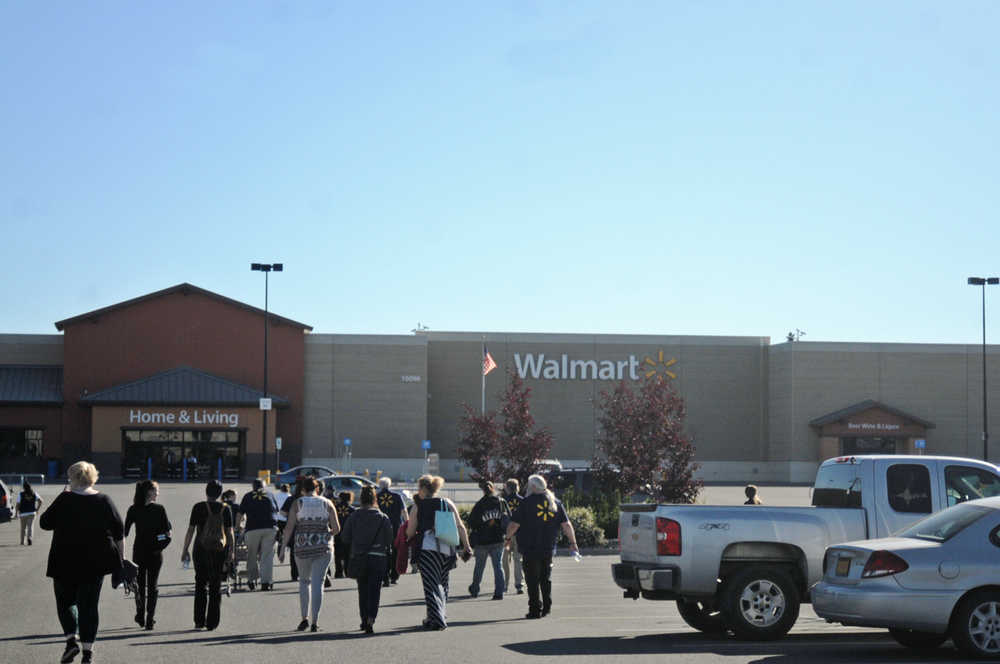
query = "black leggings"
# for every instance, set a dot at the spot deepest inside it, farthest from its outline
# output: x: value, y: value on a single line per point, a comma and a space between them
x: 76, y: 604
x: 149, y: 575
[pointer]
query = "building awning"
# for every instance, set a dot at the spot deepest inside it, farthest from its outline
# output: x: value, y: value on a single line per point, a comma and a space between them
x: 864, y: 406
x: 182, y: 386
x: 31, y: 385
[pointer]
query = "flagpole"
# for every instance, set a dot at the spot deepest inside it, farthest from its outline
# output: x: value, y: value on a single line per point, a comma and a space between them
x: 483, y: 412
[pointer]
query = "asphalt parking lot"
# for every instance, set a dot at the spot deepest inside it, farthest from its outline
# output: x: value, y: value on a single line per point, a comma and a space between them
x: 590, y: 619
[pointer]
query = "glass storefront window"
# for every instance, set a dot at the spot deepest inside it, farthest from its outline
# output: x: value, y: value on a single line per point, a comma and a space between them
x: 21, y: 442
x: 166, y: 452
x: 862, y: 445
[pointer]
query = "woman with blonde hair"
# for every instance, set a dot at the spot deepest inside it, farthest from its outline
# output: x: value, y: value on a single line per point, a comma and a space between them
x: 83, y: 522
x: 436, y: 558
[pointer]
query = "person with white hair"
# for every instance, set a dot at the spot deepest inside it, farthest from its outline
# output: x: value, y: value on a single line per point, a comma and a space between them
x: 84, y: 523
x: 391, y: 504
x: 536, y: 523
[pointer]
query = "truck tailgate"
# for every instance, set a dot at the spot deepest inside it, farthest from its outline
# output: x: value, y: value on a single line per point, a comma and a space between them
x: 637, y: 533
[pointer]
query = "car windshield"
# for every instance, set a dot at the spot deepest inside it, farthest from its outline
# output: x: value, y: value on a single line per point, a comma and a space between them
x: 942, y: 526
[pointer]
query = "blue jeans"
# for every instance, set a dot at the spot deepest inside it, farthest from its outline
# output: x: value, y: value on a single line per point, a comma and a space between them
x: 495, y: 553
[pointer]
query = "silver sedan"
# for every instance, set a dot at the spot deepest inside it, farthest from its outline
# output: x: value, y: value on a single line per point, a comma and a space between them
x: 937, y: 579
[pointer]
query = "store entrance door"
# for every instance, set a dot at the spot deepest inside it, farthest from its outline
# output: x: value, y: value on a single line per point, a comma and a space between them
x: 178, y: 454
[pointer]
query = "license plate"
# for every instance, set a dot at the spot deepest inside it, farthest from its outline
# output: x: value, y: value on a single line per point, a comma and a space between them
x: 843, y: 566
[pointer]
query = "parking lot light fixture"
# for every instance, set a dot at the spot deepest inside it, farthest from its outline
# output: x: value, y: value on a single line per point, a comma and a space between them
x: 266, y: 268
x: 984, y: 282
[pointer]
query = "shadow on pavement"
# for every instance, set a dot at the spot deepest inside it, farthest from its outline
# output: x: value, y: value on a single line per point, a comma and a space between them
x: 823, y: 648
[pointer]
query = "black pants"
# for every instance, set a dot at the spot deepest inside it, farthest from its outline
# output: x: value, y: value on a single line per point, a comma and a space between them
x: 537, y: 576
x: 341, y: 553
x: 76, y: 605
x: 147, y: 590
x: 393, y: 575
x: 370, y: 587
x: 207, y: 587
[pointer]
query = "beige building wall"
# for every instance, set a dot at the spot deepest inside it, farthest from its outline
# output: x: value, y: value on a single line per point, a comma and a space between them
x: 369, y: 388
x: 722, y: 379
x: 941, y: 383
x: 40, y: 349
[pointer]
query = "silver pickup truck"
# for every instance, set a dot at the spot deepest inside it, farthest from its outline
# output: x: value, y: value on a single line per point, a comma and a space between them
x: 746, y: 569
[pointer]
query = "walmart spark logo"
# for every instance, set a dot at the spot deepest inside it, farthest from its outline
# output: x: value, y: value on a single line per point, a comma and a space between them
x: 385, y: 500
x: 659, y: 366
x: 545, y: 512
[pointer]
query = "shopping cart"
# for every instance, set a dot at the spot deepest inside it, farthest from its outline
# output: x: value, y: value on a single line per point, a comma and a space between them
x: 236, y: 574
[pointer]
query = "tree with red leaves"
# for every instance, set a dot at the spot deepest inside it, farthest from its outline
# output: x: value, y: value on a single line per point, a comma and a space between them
x: 642, y: 446
x: 479, y: 442
x: 499, y: 451
x: 521, y: 446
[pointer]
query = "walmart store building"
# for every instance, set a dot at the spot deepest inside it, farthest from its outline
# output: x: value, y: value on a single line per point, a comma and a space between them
x: 173, y: 379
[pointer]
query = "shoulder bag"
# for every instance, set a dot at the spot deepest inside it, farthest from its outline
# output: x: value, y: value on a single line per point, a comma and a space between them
x: 445, y: 528
x: 357, y: 564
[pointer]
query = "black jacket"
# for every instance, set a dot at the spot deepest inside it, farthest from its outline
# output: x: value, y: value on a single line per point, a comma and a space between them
x: 84, y: 528
x: 487, y: 520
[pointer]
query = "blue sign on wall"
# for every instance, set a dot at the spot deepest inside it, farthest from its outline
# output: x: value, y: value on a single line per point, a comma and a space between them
x: 347, y: 442
x: 920, y: 443
x: 426, y: 445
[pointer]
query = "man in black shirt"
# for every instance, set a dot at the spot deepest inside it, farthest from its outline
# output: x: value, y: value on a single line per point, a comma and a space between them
x: 261, y: 525
x: 213, y: 547
x: 391, y: 504
x: 537, y: 522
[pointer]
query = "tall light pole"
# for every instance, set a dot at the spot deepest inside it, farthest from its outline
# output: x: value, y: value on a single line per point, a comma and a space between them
x: 266, y: 268
x: 983, y: 281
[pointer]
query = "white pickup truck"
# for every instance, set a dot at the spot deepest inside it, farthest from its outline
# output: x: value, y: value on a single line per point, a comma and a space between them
x: 747, y: 568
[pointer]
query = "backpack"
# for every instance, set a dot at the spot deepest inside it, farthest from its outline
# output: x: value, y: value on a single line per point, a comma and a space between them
x: 212, y: 536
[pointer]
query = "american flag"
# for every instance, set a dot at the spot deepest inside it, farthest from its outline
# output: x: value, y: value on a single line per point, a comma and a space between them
x: 488, y: 363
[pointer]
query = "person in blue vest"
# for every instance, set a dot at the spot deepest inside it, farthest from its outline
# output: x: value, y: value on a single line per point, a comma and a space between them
x: 536, y: 523
x: 28, y: 504
x: 391, y: 504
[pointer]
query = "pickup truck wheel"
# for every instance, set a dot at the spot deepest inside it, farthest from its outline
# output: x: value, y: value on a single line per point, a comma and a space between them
x: 918, y: 640
x: 975, y: 627
x: 703, y: 619
x: 760, y: 603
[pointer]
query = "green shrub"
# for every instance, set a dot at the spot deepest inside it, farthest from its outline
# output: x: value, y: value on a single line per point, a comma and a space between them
x: 464, y: 510
x: 604, y: 504
x: 588, y: 533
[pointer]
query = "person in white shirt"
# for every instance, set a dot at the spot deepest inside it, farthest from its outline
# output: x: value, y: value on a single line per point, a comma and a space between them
x: 280, y: 497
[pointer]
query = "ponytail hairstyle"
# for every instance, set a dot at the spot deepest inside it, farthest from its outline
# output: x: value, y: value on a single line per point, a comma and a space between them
x: 537, y: 484
x: 28, y: 491
x: 142, y: 489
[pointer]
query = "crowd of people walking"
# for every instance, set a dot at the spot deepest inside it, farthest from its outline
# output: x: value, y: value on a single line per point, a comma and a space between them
x: 374, y: 545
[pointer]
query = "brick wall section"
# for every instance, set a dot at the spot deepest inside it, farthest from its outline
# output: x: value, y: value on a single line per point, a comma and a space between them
x: 179, y: 329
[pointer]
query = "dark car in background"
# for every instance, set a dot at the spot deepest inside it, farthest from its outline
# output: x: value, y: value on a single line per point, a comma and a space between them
x: 583, y: 480
x: 288, y: 476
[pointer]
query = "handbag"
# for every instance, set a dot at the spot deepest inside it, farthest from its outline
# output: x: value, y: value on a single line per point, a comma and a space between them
x: 445, y: 528
x: 161, y: 541
x: 357, y: 564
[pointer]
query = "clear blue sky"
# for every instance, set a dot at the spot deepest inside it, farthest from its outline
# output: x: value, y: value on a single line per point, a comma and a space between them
x: 740, y: 168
